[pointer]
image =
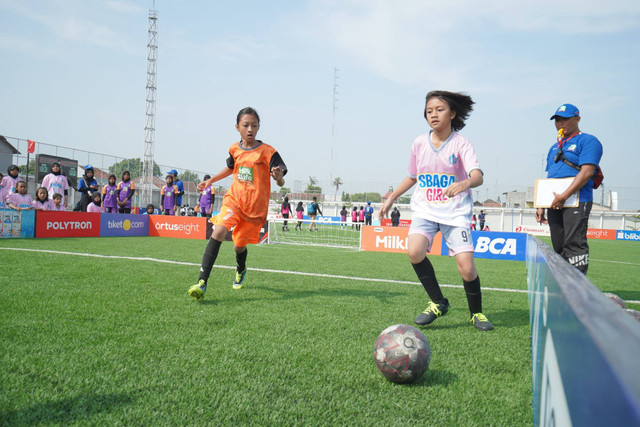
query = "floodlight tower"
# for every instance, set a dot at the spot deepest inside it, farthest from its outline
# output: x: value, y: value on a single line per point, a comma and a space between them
x: 333, y: 119
x: 150, y: 123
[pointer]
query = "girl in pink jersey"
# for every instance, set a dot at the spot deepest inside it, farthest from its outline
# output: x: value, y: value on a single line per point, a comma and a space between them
x: 56, y: 182
x: 57, y: 203
x: 299, y: 215
x: 42, y: 201
x: 354, y: 218
x: 20, y: 200
x: 444, y: 165
x: 9, y: 182
x: 96, y: 203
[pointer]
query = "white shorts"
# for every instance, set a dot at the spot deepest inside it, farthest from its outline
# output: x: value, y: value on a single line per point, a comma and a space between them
x: 458, y: 239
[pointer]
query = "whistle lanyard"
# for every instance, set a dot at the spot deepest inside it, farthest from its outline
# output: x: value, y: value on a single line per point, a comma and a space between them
x: 562, y: 141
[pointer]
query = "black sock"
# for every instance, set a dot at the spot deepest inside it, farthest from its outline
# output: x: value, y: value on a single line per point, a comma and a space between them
x: 208, y: 259
x: 241, y: 259
x: 474, y: 295
x: 427, y: 277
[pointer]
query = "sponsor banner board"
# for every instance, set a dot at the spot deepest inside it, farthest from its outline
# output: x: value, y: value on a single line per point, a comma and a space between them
x: 536, y: 230
x: 182, y: 227
x: 123, y: 225
x: 487, y: 244
x: 498, y: 245
x: 392, y: 239
x: 17, y: 225
x: 67, y: 224
x: 579, y: 338
x: 628, y: 235
x: 601, y: 234
x: 403, y: 223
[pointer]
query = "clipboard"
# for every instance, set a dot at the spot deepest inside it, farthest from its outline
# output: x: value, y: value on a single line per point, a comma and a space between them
x: 544, y: 189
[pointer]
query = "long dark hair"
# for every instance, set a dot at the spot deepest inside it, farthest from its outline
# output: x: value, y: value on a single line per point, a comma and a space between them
x: 247, y: 110
x: 459, y: 102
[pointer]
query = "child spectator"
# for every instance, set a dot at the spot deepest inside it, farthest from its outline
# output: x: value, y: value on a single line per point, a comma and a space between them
x: 20, y: 200
x: 110, y: 196
x: 473, y: 222
x: 354, y: 218
x: 96, y: 203
x: 205, y: 204
x: 57, y: 203
x: 126, y: 188
x: 42, y: 201
x: 246, y: 204
x: 168, y: 194
x: 343, y: 217
x: 299, y: 215
x: 55, y: 182
x: 151, y: 210
x: 313, y: 210
x: 9, y: 182
x: 360, y: 217
x: 285, y: 209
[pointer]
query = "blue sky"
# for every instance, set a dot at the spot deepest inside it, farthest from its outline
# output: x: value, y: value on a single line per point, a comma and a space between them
x: 74, y: 74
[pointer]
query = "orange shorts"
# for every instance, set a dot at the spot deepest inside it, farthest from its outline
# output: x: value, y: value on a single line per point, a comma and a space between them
x: 244, y: 232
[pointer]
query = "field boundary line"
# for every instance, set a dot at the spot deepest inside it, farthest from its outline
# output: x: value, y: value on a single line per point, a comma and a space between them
x: 265, y: 270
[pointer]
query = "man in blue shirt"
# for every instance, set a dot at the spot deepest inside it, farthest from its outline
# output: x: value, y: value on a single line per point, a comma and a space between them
x: 576, y: 155
x: 368, y: 213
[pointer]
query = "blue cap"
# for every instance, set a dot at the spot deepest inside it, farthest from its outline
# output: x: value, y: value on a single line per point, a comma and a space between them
x: 566, y: 110
x: 173, y: 171
x: 88, y: 167
x: 368, y: 203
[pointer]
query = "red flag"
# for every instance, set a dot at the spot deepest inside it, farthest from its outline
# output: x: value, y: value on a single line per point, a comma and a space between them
x: 31, y: 146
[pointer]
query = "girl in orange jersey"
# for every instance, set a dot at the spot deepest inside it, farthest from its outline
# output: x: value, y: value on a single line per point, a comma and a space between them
x: 244, y: 207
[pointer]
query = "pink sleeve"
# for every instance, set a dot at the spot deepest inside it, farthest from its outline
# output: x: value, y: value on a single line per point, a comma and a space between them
x: 45, y: 182
x: 468, y: 157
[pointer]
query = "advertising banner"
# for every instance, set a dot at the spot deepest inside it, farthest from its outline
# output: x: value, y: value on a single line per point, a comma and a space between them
x: 392, y: 239
x: 487, y: 244
x: 628, y: 235
x: 182, y: 227
x: 123, y: 225
x: 17, y: 225
x: 601, y: 234
x: 403, y: 223
x: 67, y: 224
x: 536, y: 230
x: 498, y: 245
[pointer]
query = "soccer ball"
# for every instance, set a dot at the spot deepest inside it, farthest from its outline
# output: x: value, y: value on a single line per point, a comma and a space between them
x: 402, y: 353
x: 615, y: 298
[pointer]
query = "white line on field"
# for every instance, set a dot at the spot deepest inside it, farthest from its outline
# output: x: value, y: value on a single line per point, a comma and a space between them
x: 614, y: 262
x: 266, y: 270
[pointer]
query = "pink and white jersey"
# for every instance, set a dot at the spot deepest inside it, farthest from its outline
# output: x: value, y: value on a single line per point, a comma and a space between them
x: 92, y: 207
x: 434, y: 171
x: 60, y: 208
x: 55, y: 184
x: 47, y: 205
x: 8, y: 186
x: 19, y: 200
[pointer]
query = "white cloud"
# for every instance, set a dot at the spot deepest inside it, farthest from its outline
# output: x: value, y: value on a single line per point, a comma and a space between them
x: 412, y: 41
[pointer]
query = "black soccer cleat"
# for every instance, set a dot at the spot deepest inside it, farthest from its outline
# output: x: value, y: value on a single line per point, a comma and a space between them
x: 432, y: 312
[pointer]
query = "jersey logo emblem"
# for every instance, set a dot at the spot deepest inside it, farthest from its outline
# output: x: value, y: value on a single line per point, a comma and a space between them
x: 245, y: 174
